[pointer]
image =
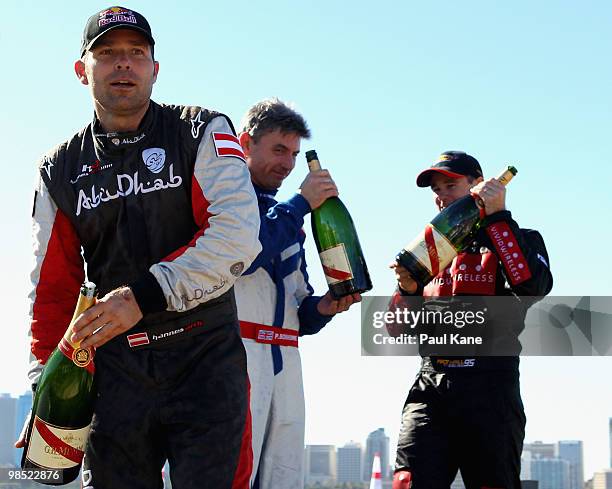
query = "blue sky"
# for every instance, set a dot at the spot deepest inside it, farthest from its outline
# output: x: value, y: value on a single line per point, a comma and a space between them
x: 385, y: 87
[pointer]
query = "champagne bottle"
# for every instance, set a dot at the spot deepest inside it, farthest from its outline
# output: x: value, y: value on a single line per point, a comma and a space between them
x: 446, y: 236
x: 63, y: 405
x: 334, y: 233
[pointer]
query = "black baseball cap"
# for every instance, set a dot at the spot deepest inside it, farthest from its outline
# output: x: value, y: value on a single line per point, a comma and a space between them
x: 453, y: 164
x: 114, y: 18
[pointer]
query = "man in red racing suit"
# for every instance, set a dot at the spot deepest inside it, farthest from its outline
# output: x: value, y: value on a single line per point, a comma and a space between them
x: 466, y: 413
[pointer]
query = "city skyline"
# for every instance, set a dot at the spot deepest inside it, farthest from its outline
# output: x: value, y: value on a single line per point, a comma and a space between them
x: 556, y: 464
x: 14, y: 409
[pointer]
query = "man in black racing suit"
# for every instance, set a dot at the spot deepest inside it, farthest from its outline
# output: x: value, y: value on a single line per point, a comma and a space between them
x: 466, y: 413
x: 160, y: 201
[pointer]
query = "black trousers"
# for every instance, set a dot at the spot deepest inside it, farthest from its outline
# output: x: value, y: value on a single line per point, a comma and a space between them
x: 187, y: 403
x: 472, y: 421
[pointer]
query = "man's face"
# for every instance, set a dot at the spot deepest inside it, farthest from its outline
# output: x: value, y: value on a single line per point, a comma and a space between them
x: 447, y: 190
x: 120, y: 70
x: 271, y: 159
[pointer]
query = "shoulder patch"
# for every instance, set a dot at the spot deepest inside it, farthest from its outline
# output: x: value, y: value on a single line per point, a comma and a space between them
x: 50, y: 163
x: 196, y: 125
x: 226, y: 144
x: 197, y: 118
x: 46, y: 165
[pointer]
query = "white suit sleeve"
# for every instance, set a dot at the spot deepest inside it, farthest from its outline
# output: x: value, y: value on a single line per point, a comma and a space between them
x: 225, y: 209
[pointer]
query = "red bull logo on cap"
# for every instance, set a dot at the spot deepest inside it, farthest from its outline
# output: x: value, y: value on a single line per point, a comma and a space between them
x: 116, y: 14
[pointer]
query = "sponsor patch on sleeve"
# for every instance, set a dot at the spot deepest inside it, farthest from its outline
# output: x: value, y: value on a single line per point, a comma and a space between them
x: 227, y: 144
x: 509, y: 252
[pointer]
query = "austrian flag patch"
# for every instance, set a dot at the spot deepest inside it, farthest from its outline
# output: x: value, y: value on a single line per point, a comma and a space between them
x: 138, y: 339
x: 227, y: 144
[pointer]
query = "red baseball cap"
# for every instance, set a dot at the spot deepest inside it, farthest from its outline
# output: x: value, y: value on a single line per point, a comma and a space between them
x: 453, y: 164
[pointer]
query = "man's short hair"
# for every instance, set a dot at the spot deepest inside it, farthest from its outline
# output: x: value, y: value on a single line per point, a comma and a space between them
x: 270, y: 115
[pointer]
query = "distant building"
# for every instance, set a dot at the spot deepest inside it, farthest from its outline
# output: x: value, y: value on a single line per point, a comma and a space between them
x: 8, y: 407
x: 348, y: 460
x: 24, y: 404
x: 526, y: 465
x: 571, y: 450
x: 537, y: 449
x: 377, y: 442
x: 551, y: 473
x: 320, y: 464
x: 602, y: 480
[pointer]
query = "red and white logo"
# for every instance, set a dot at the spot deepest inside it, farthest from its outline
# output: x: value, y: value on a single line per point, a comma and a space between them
x: 138, y: 339
x: 432, y: 250
x: 469, y: 273
x: 91, y: 169
x: 116, y: 14
x: 336, y: 265
x: 510, y: 254
x: 265, y: 335
x: 56, y: 447
x: 227, y: 144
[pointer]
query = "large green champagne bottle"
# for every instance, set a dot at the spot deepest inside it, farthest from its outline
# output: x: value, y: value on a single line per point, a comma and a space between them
x: 447, y: 235
x: 63, y: 405
x: 334, y: 233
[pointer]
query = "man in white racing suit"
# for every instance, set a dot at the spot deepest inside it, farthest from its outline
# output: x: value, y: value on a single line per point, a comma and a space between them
x: 276, y: 304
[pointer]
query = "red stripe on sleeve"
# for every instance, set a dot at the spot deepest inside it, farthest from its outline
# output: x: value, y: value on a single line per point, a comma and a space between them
x: 61, y: 276
x: 509, y: 252
x: 245, y: 458
x: 199, y: 204
x: 222, y: 136
x: 201, y: 215
x: 231, y: 152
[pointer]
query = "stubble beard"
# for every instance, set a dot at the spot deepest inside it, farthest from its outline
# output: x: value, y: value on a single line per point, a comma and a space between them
x: 124, y: 105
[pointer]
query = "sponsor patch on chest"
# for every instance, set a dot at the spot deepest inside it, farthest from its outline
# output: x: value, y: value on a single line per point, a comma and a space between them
x: 469, y: 273
x: 154, y: 159
x: 125, y: 185
x: 91, y: 169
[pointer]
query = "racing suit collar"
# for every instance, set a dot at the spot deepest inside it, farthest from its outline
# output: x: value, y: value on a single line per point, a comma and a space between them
x: 265, y: 191
x: 112, y: 141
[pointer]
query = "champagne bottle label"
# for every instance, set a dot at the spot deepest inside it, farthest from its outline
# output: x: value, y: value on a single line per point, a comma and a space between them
x: 53, y: 447
x: 432, y: 250
x: 336, y: 265
x: 81, y: 357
